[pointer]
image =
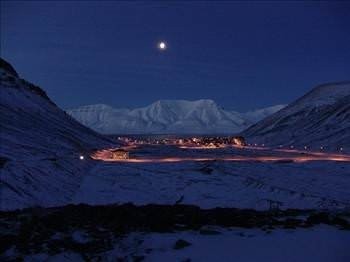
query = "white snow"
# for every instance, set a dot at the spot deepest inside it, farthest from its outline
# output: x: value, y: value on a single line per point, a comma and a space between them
x: 321, y: 243
x: 259, y: 114
x: 317, y: 244
x: 242, y: 185
x: 321, y: 118
x: 40, y: 147
x: 168, y: 116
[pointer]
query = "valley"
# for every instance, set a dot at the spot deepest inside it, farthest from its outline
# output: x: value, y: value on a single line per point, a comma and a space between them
x: 72, y: 194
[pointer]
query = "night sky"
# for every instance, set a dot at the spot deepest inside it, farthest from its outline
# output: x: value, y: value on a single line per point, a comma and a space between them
x: 242, y: 55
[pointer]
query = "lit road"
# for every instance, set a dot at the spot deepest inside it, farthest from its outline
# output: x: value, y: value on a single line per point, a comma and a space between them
x: 249, y: 154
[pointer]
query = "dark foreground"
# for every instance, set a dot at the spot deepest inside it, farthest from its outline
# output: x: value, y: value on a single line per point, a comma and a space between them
x: 35, y: 230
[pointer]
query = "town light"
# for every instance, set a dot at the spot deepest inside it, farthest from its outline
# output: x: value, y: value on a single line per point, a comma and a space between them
x: 81, y: 157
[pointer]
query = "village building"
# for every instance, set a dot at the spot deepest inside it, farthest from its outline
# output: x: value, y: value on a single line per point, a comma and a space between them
x: 120, y: 154
x: 238, y: 140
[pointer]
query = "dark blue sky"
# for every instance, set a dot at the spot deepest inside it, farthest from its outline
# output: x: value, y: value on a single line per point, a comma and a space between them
x: 242, y: 55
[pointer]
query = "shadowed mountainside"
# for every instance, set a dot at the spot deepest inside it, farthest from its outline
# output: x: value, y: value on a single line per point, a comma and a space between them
x: 40, y: 145
x: 319, y: 118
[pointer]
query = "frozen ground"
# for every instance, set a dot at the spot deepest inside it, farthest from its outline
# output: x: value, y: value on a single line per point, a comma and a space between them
x: 322, y: 244
x: 208, y: 184
x: 317, y: 244
x: 250, y: 182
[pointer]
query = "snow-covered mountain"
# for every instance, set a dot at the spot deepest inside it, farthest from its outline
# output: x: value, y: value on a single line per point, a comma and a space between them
x: 40, y: 145
x: 168, y: 116
x: 319, y: 118
x: 259, y: 114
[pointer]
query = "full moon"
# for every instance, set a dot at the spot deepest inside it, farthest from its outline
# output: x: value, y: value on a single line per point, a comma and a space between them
x: 162, y: 46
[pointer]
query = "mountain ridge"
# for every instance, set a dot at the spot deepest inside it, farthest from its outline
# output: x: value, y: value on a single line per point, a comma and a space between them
x: 320, y: 118
x: 168, y: 116
x: 40, y: 146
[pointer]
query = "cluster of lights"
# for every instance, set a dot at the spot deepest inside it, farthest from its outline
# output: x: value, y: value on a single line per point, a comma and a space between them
x: 256, y: 144
x: 198, y: 142
x: 341, y: 149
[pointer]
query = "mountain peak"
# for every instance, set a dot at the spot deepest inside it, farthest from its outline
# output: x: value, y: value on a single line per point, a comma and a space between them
x: 182, y: 101
x: 319, y: 118
x: 325, y: 94
x: 6, y: 66
x: 95, y: 107
x: 167, y: 116
x: 10, y: 78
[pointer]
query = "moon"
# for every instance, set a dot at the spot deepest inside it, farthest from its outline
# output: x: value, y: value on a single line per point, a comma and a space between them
x: 162, y: 45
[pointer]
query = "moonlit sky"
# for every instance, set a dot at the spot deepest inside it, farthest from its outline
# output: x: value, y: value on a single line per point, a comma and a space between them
x: 242, y: 55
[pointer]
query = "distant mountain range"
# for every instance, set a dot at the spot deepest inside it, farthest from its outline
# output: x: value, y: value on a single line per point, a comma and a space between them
x: 169, y: 117
x: 321, y: 118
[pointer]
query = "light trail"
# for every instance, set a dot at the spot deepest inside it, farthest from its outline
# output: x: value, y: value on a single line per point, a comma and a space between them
x: 296, y: 156
x: 314, y: 153
x: 202, y: 147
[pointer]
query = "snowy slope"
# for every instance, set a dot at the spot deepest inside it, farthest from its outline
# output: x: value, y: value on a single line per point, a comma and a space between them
x: 317, y: 185
x: 40, y: 145
x: 319, y: 118
x: 259, y: 114
x: 168, y: 116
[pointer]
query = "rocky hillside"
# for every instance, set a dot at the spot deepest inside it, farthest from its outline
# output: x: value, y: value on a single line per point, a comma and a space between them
x: 40, y: 145
x: 321, y: 118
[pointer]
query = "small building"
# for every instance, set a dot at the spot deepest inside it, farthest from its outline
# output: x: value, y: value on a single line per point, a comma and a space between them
x: 238, y: 140
x: 120, y: 154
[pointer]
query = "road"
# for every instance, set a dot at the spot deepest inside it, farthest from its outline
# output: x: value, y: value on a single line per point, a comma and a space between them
x: 236, y: 154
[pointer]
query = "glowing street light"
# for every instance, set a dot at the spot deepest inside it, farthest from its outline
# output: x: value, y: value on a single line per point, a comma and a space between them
x: 81, y: 157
